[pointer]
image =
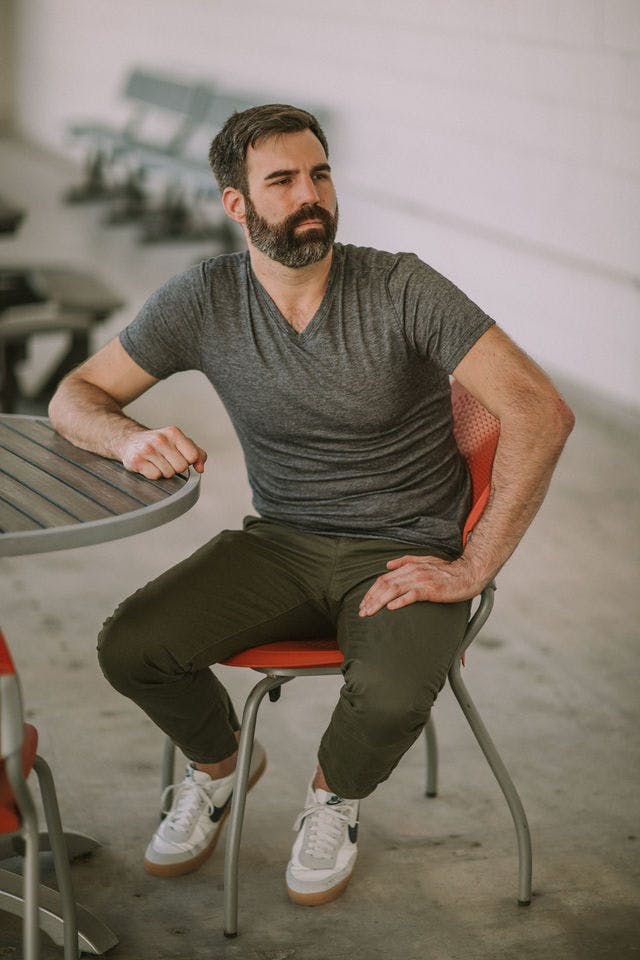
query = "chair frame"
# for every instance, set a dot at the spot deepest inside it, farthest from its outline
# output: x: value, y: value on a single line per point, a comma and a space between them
x: 12, y: 742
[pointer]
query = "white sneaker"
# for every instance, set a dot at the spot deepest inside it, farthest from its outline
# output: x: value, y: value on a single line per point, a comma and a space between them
x: 188, y: 834
x: 325, y: 849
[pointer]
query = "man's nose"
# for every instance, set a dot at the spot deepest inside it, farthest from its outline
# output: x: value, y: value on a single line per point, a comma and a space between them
x: 308, y: 191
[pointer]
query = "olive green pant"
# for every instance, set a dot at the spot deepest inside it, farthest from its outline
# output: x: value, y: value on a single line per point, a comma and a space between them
x: 273, y: 582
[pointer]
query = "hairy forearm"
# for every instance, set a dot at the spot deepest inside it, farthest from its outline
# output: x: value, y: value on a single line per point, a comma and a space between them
x: 90, y: 418
x: 530, y: 444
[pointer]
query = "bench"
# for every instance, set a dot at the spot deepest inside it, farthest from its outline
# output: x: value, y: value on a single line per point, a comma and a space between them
x: 185, y: 211
x: 165, y: 111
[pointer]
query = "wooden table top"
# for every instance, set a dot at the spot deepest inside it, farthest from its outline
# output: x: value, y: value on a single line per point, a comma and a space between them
x: 54, y: 496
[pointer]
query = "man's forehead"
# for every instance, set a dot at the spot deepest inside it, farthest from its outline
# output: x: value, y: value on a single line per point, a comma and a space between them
x: 276, y: 147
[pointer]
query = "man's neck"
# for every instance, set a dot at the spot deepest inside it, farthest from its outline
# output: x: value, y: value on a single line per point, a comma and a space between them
x: 297, y: 292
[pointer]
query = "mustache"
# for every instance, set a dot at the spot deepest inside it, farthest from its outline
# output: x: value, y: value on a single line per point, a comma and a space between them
x: 310, y: 211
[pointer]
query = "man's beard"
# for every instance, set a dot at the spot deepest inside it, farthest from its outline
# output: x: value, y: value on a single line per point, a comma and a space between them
x: 281, y: 243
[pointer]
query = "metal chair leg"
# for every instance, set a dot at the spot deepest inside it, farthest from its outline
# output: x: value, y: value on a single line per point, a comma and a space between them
x: 31, y: 877
x: 431, y: 745
x: 504, y: 780
x: 239, y: 797
x: 60, y: 857
x: 30, y: 920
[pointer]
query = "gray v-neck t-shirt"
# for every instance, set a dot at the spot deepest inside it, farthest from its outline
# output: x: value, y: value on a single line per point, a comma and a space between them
x: 346, y: 427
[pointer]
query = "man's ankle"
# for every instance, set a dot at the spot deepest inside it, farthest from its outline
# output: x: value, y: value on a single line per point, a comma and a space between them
x: 224, y: 768
x: 319, y: 782
x: 219, y: 770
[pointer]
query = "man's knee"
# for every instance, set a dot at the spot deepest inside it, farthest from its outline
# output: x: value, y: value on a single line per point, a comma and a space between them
x: 387, y: 712
x: 116, y: 650
x: 130, y: 648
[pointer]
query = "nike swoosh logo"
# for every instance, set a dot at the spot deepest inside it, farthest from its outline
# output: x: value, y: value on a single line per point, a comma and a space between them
x: 218, y: 811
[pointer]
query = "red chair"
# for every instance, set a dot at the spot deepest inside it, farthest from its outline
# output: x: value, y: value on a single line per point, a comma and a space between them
x: 18, y: 746
x: 476, y: 433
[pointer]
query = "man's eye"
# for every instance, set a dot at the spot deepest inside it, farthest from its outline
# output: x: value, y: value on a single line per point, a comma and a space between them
x: 281, y: 183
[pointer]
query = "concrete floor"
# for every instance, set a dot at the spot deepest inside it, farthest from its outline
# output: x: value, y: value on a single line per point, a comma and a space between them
x: 555, y: 676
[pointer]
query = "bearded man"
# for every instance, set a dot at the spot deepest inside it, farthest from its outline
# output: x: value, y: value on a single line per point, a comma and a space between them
x: 333, y: 362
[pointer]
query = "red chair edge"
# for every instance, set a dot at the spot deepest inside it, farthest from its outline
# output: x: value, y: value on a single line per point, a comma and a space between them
x: 9, y: 817
x: 7, y: 667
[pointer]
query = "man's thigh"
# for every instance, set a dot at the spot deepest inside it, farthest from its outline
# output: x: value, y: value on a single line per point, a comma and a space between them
x: 400, y: 655
x: 404, y: 653
x: 231, y: 594
x: 395, y: 663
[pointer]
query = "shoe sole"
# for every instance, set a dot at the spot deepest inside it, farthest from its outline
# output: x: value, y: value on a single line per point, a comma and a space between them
x: 188, y: 866
x: 316, y: 899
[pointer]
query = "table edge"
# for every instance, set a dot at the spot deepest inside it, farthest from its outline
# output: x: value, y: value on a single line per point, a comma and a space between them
x: 24, y: 542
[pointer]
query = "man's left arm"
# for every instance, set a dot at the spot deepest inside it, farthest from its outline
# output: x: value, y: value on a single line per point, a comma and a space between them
x: 534, y: 425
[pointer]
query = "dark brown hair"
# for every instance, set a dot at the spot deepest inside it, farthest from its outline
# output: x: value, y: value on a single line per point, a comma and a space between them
x: 228, y: 153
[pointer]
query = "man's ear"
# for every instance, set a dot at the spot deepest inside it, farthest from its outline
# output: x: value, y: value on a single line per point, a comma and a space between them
x: 233, y: 203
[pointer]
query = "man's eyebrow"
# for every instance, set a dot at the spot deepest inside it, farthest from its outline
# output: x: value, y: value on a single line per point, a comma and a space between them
x: 318, y: 168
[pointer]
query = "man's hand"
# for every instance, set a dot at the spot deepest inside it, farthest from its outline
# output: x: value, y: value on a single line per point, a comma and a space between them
x: 421, y: 578
x: 161, y: 453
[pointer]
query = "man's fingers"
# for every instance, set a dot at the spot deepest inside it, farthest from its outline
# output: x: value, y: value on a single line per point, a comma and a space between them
x: 385, y: 589
x: 153, y: 467
x: 192, y: 453
x: 159, y: 453
x: 403, y: 601
x: 163, y: 453
x: 165, y: 466
x: 401, y: 561
x: 200, y: 462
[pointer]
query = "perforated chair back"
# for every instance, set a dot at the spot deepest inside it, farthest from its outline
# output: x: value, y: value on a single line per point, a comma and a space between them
x: 476, y: 432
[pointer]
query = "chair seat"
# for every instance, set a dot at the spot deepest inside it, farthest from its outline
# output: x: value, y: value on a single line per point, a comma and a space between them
x: 289, y: 654
x: 9, y: 819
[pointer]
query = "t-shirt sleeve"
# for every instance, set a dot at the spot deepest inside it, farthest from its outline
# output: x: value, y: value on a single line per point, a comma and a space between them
x: 165, y: 336
x: 438, y: 320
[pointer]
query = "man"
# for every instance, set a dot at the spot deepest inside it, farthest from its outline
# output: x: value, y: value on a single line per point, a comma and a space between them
x: 333, y: 363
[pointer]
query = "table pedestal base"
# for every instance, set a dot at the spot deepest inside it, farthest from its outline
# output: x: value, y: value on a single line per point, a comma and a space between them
x: 78, y: 845
x: 94, y: 936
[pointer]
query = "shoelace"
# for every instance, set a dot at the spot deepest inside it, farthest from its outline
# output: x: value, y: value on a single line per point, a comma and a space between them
x: 324, y: 827
x: 187, y: 804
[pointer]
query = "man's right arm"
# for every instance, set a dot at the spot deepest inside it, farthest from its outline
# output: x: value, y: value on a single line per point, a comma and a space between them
x: 87, y: 409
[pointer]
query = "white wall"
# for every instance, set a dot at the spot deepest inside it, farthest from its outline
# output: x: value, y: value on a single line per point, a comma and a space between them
x: 499, y: 139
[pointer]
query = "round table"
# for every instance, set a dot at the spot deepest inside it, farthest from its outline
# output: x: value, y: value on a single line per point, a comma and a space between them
x: 54, y: 496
